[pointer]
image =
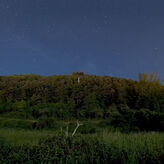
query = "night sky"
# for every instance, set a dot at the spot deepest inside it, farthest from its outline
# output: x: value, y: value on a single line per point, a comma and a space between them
x: 104, y: 37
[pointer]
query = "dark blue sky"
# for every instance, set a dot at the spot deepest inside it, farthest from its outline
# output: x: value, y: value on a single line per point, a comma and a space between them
x: 104, y: 37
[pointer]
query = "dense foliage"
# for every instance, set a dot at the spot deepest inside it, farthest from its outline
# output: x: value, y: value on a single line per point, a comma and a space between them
x: 87, y: 150
x: 126, y: 103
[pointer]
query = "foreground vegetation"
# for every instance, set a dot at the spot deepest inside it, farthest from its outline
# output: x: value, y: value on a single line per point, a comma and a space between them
x: 20, y: 146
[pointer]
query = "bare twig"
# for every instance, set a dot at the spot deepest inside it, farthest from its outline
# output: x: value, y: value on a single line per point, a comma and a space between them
x: 78, y: 124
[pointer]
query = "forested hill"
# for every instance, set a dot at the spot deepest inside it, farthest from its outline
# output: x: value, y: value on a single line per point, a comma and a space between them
x: 78, y: 87
x: 80, y: 95
x: 57, y: 88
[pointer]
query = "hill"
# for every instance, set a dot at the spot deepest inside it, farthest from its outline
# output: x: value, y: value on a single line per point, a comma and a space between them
x: 126, y: 103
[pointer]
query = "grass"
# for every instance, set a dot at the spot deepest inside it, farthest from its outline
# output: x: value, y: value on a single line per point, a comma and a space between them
x: 132, y: 148
x: 128, y: 148
x: 20, y: 136
x: 145, y: 144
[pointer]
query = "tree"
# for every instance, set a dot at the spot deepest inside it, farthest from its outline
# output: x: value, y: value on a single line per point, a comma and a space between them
x: 149, y: 91
x: 71, y: 107
x: 91, y: 106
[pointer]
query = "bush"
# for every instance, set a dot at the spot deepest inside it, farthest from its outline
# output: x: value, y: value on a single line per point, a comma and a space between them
x: 149, y: 120
x: 122, y: 117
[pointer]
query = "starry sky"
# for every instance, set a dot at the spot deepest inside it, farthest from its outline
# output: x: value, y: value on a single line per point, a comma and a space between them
x: 104, y: 37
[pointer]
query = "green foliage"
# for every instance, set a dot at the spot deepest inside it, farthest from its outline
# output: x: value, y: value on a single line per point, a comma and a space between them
x: 71, y: 105
x: 106, y: 148
x: 87, y: 129
x: 50, y: 110
x: 91, y: 107
x: 149, y: 92
x: 122, y: 117
x: 16, y: 123
x: 149, y: 120
x: 8, y: 106
x: 60, y: 110
x: 127, y: 120
x: 21, y: 107
x: 2, y: 106
x: 45, y: 122
x: 135, y: 147
x: 84, y: 96
x: 153, y: 77
x: 17, y: 137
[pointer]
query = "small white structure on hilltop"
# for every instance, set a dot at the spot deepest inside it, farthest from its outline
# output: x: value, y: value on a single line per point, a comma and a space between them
x: 78, y: 74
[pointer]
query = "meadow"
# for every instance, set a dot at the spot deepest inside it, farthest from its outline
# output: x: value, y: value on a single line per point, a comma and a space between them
x: 101, y: 145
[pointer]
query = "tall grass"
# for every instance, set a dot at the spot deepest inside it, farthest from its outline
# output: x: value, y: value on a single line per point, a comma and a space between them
x: 148, y: 145
x: 115, y: 147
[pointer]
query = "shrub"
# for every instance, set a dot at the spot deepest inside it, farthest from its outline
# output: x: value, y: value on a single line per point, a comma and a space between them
x: 122, y: 117
x: 149, y: 120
